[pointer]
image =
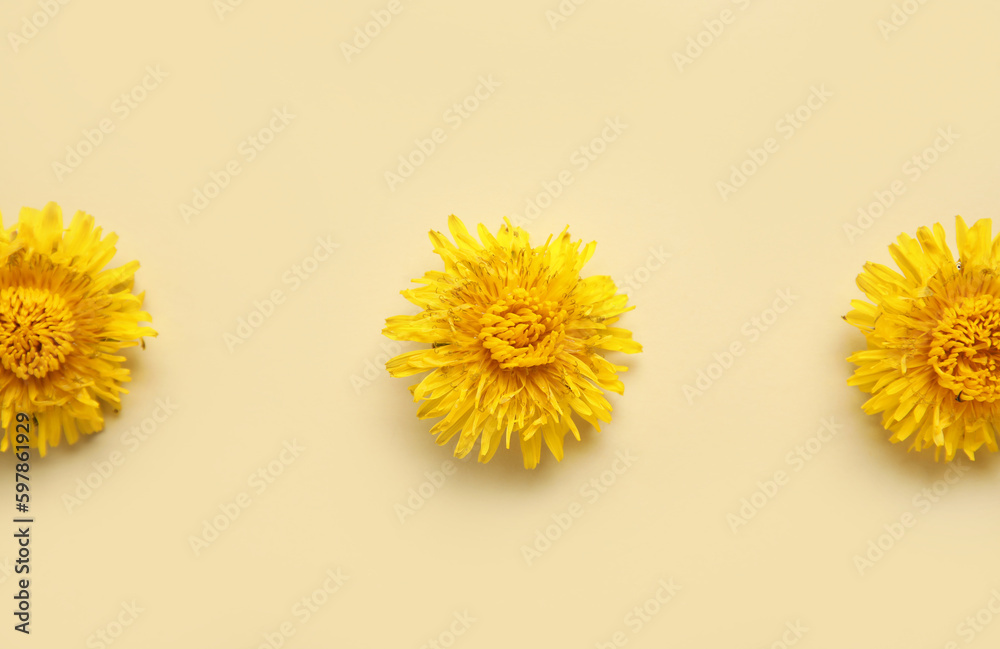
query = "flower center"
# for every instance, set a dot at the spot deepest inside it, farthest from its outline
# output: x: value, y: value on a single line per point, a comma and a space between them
x: 965, y: 348
x: 523, y: 331
x: 36, y: 331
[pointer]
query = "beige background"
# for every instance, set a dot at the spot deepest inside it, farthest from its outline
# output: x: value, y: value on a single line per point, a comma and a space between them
x: 334, y: 506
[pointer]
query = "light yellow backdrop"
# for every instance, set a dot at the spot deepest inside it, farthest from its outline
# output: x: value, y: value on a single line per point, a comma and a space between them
x: 241, y: 151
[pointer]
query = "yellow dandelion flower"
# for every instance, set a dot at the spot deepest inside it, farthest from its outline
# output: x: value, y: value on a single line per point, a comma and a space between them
x: 515, y: 333
x: 63, y: 320
x: 934, y: 340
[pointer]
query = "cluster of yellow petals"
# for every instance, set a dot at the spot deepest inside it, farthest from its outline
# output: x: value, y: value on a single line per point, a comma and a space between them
x: 515, y: 335
x: 63, y: 320
x: 934, y: 340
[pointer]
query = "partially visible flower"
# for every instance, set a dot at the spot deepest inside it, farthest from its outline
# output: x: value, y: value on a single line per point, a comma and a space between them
x: 514, y: 334
x: 934, y: 340
x: 63, y: 321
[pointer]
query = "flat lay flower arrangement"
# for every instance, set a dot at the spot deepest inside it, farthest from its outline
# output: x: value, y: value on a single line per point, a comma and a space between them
x: 515, y: 336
